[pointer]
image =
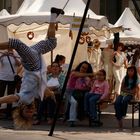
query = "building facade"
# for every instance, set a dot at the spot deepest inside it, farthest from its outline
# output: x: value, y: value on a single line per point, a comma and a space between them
x: 112, y: 9
x: 10, y: 5
x: 15, y: 4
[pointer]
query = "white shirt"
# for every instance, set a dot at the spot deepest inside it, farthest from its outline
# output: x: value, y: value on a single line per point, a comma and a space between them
x: 6, y: 72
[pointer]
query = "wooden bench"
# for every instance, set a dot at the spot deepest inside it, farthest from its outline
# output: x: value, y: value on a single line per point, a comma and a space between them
x: 135, y: 107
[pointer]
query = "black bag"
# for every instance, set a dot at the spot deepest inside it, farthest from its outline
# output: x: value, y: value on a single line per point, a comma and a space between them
x: 17, y: 79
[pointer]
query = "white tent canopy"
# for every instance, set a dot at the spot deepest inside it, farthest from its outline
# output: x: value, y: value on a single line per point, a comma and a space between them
x: 39, y: 12
x: 33, y: 15
x: 25, y: 5
x: 71, y: 7
x: 4, y: 12
x: 127, y: 20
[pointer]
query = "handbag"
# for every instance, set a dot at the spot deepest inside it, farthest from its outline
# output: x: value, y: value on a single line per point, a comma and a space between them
x: 17, y: 78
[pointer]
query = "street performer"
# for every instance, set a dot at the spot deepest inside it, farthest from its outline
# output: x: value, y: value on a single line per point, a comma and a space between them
x: 33, y: 82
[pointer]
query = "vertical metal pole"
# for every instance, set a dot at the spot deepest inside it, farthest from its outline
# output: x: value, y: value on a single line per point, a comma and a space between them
x: 69, y: 69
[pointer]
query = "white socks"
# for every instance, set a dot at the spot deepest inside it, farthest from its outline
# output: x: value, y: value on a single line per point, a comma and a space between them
x: 53, y: 18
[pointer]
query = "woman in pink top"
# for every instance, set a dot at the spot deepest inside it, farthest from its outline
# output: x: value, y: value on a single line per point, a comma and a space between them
x: 84, y: 69
x: 99, y: 91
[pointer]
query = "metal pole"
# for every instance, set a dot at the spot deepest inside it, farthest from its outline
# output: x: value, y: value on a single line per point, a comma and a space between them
x: 70, y: 66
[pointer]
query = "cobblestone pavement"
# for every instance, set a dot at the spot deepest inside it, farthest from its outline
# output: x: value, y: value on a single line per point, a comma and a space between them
x: 82, y: 131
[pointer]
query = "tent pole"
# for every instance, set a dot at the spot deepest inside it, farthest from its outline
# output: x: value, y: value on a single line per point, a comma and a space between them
x: 70, y: 66
x: 136, y: 6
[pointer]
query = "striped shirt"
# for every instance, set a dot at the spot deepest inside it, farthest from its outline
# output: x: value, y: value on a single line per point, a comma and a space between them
x: 31, y: 56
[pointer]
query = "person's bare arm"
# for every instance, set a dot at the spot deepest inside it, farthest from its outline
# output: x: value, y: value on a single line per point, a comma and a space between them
x: 9, y: 99
x: 49, y: 93
x: 4, y: 46
x: 17, y: 61
x: 80, y: 74
x: 51, y: 30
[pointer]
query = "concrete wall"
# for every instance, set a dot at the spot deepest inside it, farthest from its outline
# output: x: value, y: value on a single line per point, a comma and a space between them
x: 112, y: 9
x: 94, y: 6
x: 11, y: 5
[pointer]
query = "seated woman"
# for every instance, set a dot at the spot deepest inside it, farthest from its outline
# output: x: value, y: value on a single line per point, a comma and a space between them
x: 84, y: 69
x: 55, y: 82
x: 99, y: 91
x: 128, y: 90
x: 82, y: 85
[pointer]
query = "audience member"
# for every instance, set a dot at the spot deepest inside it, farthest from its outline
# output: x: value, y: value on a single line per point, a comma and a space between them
x: 82, y: 85
x: 7, y: 76
x: 84, y: 69
x: 119, y: 61
x: 128, y: 92
x: 99, y: 91
x: 55, y: 82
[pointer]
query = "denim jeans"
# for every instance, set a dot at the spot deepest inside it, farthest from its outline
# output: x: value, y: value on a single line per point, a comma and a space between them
x: 121, y: 105
x: 90, y: 104
x: 29, y: 88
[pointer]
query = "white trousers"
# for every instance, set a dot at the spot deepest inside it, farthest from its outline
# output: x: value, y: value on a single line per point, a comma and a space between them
x: 119, y: 74
x: 73, y: 109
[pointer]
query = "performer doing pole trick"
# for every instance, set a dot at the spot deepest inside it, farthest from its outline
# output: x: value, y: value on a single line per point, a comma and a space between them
x: 33, y: 82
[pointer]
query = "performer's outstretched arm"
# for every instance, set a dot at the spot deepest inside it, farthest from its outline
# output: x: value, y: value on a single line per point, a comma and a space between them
x: 51, y: 30
x: 9, y: 99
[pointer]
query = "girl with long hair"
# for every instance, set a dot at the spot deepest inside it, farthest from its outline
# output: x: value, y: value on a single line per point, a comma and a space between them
x: 128, y: 90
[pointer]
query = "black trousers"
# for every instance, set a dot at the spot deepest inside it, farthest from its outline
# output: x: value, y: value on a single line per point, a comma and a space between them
x: 10, y: 85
